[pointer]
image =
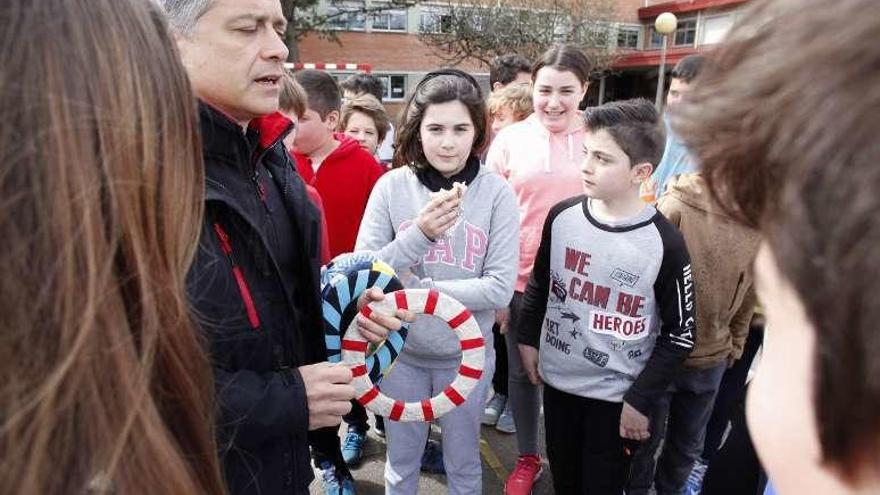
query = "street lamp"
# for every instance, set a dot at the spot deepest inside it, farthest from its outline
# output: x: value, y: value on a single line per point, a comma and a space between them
x: 664, y: 25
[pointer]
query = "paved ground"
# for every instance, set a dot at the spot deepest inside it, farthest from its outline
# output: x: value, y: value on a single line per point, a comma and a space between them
x: 498, y: 451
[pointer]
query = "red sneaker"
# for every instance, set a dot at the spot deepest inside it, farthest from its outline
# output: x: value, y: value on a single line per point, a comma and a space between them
x: 527, y: 471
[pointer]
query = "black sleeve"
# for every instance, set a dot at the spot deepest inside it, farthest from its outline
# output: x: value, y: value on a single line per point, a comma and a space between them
x: 674, y: 290
x: 534, y: 305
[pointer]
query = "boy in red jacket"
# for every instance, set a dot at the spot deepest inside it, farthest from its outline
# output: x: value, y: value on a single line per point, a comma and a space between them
x: 334, y: 164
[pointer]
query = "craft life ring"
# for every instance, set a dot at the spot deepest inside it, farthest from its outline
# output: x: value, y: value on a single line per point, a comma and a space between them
x: 473, y: 356
x: 343, y: 281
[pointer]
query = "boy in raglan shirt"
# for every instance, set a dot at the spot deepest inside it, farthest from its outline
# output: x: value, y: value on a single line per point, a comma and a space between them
x: 608, y: 314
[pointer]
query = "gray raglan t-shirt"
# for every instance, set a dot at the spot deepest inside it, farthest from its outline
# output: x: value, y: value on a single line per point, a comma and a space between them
x: 609, y: 305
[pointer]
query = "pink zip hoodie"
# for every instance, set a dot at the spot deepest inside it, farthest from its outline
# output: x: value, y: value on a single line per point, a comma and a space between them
x: 543, y: 169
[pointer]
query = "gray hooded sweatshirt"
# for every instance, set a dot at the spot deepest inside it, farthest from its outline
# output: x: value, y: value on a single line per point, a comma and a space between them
x: 475, y: 262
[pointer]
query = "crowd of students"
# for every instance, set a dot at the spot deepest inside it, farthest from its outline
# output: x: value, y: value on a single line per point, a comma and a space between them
x: 166, y: 222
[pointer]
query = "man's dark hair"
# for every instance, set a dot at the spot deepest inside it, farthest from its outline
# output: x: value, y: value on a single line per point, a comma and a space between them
x: 364, y: 83
x: 688, y: 68
x: 635, y: 127
x: 321, y: 89
x: 505, y: 68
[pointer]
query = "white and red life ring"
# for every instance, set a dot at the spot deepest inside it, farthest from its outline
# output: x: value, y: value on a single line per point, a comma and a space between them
x: 460, y: 321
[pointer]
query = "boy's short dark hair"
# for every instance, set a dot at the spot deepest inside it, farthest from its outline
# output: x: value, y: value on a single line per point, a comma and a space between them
x: 321, y: 89
x: 635, y: 127
x: 364, y: 83
x: 505, y: 68
x: 688, y: 68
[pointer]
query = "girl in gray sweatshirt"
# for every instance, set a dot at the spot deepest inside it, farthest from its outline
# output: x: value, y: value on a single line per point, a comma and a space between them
x: 463, y: 245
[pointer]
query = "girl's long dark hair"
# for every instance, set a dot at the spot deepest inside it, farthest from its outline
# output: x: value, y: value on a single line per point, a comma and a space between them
x: 437, y: 87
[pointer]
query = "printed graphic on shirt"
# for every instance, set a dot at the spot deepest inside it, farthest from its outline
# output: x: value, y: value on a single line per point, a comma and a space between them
x: 553, y: 339
x: 598, y: 358
x: 557, y: 288
x: 617, y: 345
x: 621, y: 327
x: 476, y: 244
x: 624, y: 278
x: 634, y: 354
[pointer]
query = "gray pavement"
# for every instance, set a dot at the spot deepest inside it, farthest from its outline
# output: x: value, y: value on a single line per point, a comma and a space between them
x: 498, y: 451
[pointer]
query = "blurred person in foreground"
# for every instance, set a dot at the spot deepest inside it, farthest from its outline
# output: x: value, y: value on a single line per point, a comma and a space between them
x: 785, y: 123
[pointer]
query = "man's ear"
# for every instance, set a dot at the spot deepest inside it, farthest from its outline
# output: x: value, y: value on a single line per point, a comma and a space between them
x: 642, y: 172
x: 496, y: 86
x: 332, y: 120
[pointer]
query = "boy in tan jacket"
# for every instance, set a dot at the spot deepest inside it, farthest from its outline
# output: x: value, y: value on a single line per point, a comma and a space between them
x: 722, y: 253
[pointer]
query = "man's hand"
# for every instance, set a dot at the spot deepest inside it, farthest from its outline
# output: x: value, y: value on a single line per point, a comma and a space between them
x: 375, y: 328
x: 529, y: 357
x: 328, y: 391
x: 502, y: 318
x: 633, y: 424
x: 439, y: 215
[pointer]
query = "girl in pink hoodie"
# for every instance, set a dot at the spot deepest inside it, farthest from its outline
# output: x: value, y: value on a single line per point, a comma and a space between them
x: 540, y: 158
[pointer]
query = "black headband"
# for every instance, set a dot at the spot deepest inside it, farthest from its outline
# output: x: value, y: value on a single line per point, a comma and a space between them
x: 449, y: 71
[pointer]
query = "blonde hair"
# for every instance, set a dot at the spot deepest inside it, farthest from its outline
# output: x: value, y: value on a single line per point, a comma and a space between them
x: 516, y: 97
x: 104, y: 382
x: 368, y: 105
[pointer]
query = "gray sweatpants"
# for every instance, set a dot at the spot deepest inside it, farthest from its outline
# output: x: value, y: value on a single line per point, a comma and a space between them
x: 460, y: 429
x: 525, y: 399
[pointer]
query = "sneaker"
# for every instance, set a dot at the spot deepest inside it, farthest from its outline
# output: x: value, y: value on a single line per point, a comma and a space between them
x: 527, y: 471
x: 493, y: 409
x: 432, y: 458
x: 505, y: 421
x: 694, y: 483
x: 335, y: 484
x: 380, y: 426
x: 353, y: 447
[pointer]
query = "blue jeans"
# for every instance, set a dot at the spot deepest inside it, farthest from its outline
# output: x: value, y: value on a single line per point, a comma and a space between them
x: 679, y: 419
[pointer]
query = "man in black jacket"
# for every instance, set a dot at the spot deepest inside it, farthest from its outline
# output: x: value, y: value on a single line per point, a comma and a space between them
x: 254, y: 282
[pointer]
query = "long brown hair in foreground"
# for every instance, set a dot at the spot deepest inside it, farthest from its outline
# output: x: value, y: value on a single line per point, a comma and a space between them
x: 104, y: 384
x: 785, y: 124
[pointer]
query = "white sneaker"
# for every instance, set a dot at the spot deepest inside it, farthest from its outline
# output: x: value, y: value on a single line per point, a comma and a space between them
x: 505, y: 421
x: 493, y: 409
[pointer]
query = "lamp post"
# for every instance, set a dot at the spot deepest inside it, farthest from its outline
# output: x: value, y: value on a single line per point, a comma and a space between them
x: 665, y: 25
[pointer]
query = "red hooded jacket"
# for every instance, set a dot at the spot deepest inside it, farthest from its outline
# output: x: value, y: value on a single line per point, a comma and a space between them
x: 344, y: 180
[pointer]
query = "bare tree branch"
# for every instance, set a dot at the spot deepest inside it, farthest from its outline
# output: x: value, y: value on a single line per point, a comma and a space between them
x: 483, y: 29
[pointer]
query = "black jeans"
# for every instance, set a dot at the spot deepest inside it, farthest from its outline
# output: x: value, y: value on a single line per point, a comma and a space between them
x: 499, y: 379
x: 357, y: 417
x: 731, y: 392
x: 678, y: 420
x: 586, y: 453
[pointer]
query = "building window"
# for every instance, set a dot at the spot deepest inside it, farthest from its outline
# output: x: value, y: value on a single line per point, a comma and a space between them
x: 686, y: 33
x: 628, y: 37
x: 435, y: 21
x: 347, y: 17
x: 715, y: 29
x: 393, y: 86
x: 656, y: 39
x: 390, y: 20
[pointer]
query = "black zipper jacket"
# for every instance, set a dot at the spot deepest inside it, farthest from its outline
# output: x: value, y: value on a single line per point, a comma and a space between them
x: 255, y: 291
